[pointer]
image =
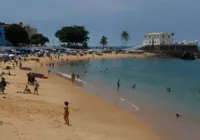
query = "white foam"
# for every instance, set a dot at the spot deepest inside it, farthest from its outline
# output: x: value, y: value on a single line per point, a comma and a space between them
x: 67, y: 76
x: 122, y: 99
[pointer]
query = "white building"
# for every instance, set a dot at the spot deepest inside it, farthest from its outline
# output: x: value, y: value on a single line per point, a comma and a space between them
x: 157, y: 39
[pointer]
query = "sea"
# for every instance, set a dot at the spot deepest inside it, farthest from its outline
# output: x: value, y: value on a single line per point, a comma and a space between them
x: 149, y: 101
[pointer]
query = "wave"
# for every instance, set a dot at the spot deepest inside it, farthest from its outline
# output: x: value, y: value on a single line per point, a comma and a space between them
x: 67, y: 76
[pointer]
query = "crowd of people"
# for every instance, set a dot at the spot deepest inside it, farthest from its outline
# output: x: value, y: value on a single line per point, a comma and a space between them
x: 31, y: 78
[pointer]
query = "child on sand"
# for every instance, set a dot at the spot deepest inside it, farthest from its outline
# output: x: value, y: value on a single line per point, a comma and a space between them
x: 66, y: 113
x: 36, y: 86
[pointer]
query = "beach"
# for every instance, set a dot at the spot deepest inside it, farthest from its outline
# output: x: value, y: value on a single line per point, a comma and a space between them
x: 28, y: 116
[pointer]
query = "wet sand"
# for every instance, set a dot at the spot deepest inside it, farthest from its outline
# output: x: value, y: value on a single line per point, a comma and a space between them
x: 40, y: 117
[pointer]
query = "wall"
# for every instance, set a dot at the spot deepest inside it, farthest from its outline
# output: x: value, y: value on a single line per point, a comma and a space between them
x: 171, y: 50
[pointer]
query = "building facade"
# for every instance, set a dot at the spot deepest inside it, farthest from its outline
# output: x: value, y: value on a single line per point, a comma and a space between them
x: 157, y: 39
x: 30, y: 30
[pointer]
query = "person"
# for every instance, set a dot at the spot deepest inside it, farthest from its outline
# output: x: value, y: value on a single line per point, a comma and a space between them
x: 177, y: 115
x: 118, y: 83
x: 77, y: 75
x: 66, y: 113
x: 29, y: 77
x: 73, y: 77
x: 27, y: 90
x: 169, y: 89
x: 20, y: 64
x: 41, y: 64
x: 36, y: 86
x: 3, y: 84
x: 32, y: 78
x: 49, y: 71
x: 133, y: 86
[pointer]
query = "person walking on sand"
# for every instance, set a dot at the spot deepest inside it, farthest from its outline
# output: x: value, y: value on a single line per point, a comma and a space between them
x: 49, y: 71
x: 36, y: 86
x: 66, y: 113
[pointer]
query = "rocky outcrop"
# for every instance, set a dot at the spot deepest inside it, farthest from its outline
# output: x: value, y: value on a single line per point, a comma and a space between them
x: 188, y: 55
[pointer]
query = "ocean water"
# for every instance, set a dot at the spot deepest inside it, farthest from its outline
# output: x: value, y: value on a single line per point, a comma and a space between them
x: 149, y: 101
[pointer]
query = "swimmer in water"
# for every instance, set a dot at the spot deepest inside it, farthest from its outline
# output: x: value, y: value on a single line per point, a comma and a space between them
x: 177, y: 115
x: 169, y: 89
x: 134, y: 86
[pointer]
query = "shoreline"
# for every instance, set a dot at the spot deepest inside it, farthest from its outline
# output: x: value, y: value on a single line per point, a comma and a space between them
x: 91, y: 116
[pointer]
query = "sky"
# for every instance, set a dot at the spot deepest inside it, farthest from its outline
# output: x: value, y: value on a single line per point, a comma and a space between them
x: 107, y: 17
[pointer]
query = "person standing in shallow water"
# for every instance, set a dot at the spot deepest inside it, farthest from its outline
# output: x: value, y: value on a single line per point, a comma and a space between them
x: 118, y: 83
x: 77, y: 75
x: 73, y: 77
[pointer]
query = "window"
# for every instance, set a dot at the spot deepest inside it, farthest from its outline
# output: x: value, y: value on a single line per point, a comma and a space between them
x: 163, y: 36
x: 163, y: 42
x: 150, y: 42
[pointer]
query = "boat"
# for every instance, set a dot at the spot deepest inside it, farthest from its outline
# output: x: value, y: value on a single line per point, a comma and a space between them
x: 42, y: 77
x: 39, y: 75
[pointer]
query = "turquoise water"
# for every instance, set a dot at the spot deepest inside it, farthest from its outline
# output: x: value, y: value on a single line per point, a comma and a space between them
x: 149, y: 101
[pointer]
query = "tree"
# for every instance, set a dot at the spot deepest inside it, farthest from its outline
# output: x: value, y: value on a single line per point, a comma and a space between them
x: 103, y: 41
x: 16, y: 34
x: 3, y: 23
x: 125, y: 37
x: 38, y: 39
x: 172, y: 34
x: 85, y: 45
x: 72, y: 35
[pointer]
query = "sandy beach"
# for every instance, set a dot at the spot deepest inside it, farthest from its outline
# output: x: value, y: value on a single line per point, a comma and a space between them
x: 40, y: 117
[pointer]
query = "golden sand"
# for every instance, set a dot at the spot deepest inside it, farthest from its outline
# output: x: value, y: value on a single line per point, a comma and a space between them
x: 40, y: 117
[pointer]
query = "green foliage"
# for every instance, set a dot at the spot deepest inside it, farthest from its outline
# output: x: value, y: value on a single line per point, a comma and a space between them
x: 85, y: 45
x: 172, y: 34
x: 103, y: 41
x: 16, y: 34
x: 125, y: 37
x: 72, y: 34
x: 198, y: 55
x: 38, y: 39
x: 3, y: 23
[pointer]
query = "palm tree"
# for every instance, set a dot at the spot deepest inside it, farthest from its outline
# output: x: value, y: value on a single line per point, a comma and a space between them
x: 103, y: 41
x: 172, y: 34
x: 125, y: 37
